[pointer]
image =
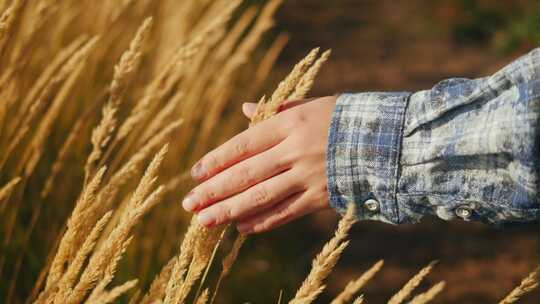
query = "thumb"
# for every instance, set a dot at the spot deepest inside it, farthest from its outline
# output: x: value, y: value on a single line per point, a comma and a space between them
x: 249, y: 109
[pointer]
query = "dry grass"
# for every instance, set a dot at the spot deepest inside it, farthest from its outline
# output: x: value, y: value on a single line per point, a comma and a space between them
x: 353, y: 287
x: 100, y: 119
x: 527, y: 285
x: 408, y: 288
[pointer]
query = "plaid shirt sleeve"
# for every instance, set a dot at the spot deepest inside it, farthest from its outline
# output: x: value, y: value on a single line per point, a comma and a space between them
x: 466, y: 149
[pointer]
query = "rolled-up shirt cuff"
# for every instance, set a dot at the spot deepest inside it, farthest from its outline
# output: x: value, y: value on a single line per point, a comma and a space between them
x: 363, y: 152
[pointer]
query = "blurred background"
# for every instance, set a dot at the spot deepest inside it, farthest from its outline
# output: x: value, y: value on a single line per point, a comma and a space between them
x: 398, y: 46
x: 378, y: 45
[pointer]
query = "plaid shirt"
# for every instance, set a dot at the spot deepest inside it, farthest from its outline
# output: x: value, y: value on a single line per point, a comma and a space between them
x: 467, y: 149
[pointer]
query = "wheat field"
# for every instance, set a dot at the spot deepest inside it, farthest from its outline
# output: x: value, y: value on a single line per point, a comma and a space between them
x: 103, y: 108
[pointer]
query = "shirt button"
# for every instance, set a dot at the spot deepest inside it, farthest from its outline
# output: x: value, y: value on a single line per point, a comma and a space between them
x: 372, y: 205
x: 464, y: 212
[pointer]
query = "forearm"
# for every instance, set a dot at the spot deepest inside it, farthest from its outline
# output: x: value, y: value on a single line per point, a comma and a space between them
x: 464, y: 149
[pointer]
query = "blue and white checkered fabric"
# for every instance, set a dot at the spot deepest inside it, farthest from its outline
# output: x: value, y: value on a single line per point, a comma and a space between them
x: 465, y: 144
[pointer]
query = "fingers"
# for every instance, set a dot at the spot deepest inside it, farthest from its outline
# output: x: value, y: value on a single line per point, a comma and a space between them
x: 290, y: 209
x: 259, y: 197
x: 237, y: 178
x: 254, y: 140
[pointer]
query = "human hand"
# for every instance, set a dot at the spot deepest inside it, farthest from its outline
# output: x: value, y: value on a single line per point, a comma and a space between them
x: 270, y: 174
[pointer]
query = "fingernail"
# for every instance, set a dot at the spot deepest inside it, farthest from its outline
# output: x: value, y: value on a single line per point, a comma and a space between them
x: 197, y: 171
x: 249, y: 108
x: 190, y: 201
x: 205, y: 219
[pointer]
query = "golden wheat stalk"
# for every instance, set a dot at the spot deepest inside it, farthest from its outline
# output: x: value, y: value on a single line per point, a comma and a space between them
x: 109, y: 296
x: 162, y: 117
x: 228, y: 261
x: 68, y: 280
x: 182, y: 262
x: 326, y: 260
x: 173, y: 73
x: 67, y: 146
x: 34, y: 150
x: 74, y: 232
x: 168, y: 77
x: 102, y: 264
x: 8, y: 20
x: 132, y: 167
x: 211, y: 260
x: 202, y: 254
x: 45, y: 78
x: 287, y: 86
x: 301, y: 78
x: 409, y: 287
x: 527, y: 285
x: 429, y: 295
x: 159, y: 285
x: 123, y: 71
x: 203, y: 298
x: 354, y: 286
x: 307, y: 80
x: 8, y: 188
x: 359, y: 300
x: 234, y: 35
x: 136, y: 297
x: 35, y: 108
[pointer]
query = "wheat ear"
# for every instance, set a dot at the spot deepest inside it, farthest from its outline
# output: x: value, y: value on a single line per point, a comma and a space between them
x: 428, y: 295
x: 158, y: 88
x: 109, y: 296
x: 211, y: 260
x: 40, y: 102
x: 297, y: 83
x: 326, y: 260
x: 353, y: 287
x: 202, y: 254
x: 34, y: 150
x: 228, y: 261
x: 307, y: 80
x: 359, y: 300
x: 6, y: 190
x: 203, y: 298
x: 8, y: 20
x: 182, y: 262
x: 69, y: 278
x: 102, y: 265
x: 527, y: 285
x: 76, y: 228
x: 123, y: 71
x: 132, y: 166
x: 159, y: 285
x: 409, y: 287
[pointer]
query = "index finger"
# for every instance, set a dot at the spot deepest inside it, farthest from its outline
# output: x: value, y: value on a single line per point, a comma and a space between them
x: 252, y: 141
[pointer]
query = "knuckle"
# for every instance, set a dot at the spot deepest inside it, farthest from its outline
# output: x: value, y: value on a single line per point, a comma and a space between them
x: 260, y: 196
x: 209, y: 194
x: 242, y: 147
x: 296, y: 119
x: 244, y: 176
x: 210, y: 162
x: 223, y: 214
x: 293, y: 156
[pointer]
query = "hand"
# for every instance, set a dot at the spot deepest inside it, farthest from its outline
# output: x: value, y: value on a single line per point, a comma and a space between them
x: 270, y: 174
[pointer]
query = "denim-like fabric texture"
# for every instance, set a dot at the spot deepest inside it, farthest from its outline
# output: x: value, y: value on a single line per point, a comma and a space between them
x: 464, y: 144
